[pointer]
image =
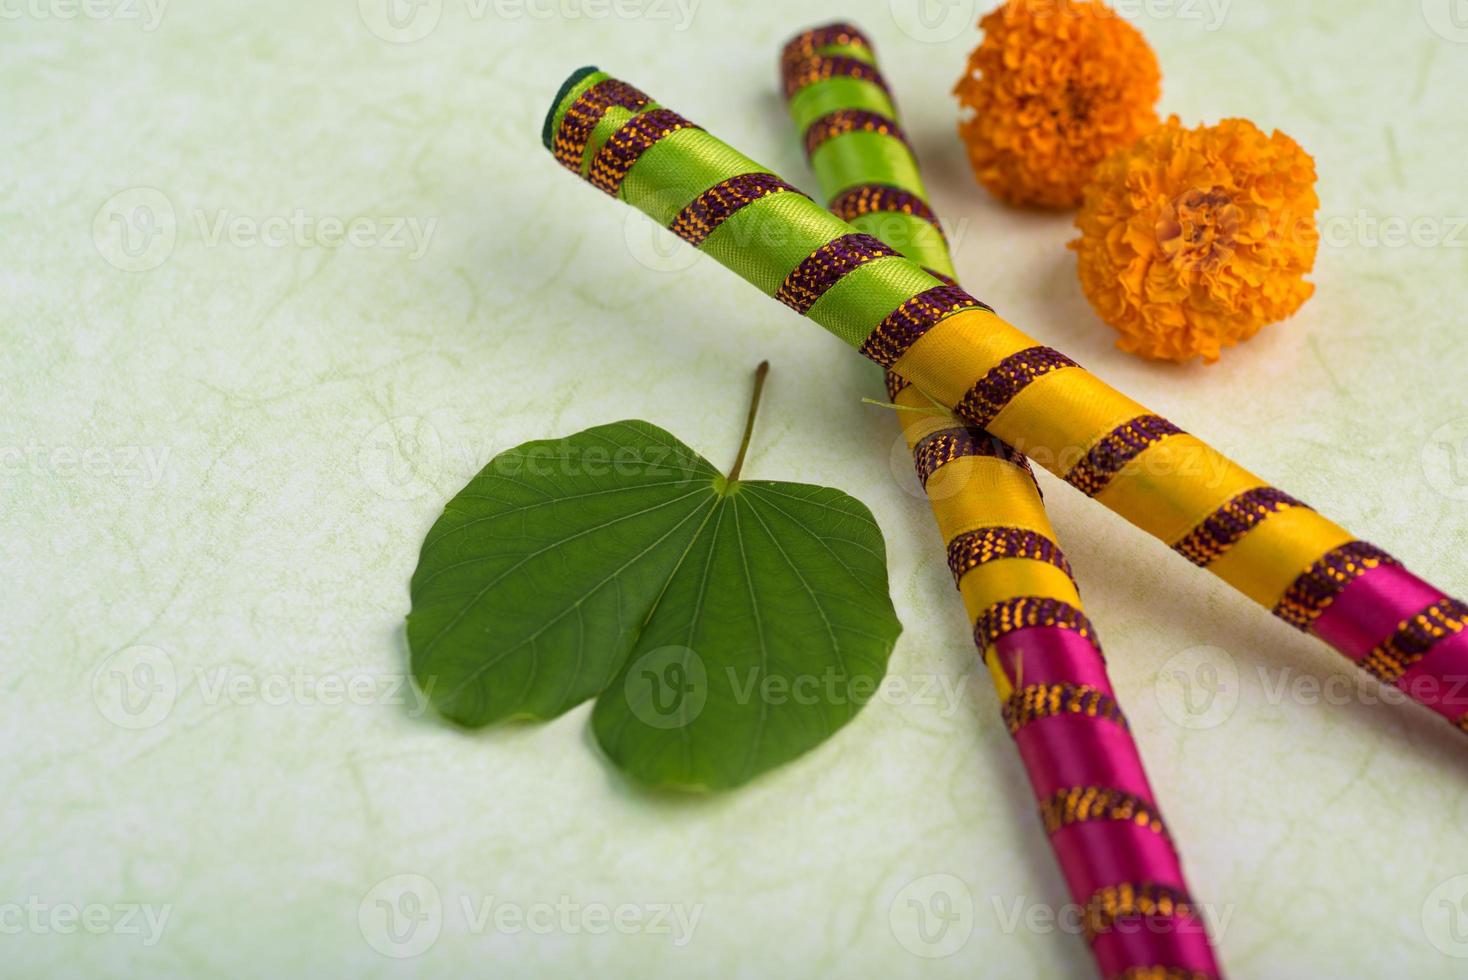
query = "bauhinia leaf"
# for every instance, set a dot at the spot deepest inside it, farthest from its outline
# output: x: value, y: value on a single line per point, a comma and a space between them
x: 772, y: 634
x: 725, y: 626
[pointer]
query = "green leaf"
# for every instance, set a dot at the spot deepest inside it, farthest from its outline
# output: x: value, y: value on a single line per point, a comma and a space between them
x: 726, y: 626
x: 773, y: 633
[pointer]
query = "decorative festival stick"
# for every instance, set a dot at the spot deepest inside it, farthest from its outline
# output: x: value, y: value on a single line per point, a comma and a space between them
x: 1265, y: 543
x: 1119, y: 861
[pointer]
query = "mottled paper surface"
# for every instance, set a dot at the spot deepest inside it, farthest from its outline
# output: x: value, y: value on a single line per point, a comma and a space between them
x: 281, y: 276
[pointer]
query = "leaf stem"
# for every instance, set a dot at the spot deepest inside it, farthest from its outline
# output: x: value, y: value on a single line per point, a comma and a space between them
x: 760, y: 373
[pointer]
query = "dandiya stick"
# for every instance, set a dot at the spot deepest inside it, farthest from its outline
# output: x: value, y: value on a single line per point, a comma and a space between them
x: 1120, y: 862
x: 1268, y: 545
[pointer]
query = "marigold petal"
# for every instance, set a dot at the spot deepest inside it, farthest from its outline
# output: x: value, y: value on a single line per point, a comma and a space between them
x: 1192, y: 240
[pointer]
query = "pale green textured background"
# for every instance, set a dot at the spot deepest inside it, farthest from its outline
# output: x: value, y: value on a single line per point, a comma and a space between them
x: 309, y: 408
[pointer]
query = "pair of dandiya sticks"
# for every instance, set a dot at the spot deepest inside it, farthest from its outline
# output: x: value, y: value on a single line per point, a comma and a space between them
x: 875, y: 271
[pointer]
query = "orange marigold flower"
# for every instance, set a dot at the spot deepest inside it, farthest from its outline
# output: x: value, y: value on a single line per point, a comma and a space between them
x: 1194, y: 239
x: 1055, y: 86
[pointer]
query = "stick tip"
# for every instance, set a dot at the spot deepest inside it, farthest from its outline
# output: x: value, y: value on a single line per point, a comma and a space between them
x: 547, y: 131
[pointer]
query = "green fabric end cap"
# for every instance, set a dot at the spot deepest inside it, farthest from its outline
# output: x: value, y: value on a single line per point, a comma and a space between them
x: 566, y: 86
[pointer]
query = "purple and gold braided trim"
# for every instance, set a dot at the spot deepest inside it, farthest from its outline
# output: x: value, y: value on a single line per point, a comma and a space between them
x: 937, y: 449
x: 896, y: 384
x: 808, y: 43
x: 1036, y: 701
x: 1226, y: 526
x: 1003, y: 618
x: 901, y: 328
x: 865, y: 199
x: 1161, y: 973
x: 826, y: 266
x: 1317, y: 587
x: 626, y: 145
x: 715, y: 206
x: 1148, y: 900
x: 1084, y: 804
x: 810, y: 69
x: 1116, y: 450
x: 585, y: 112
x: 1415, y: 638
x: 942, y: 277
x: 843, y: 121
x: 969, y: 551
x: 1008, y: 378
